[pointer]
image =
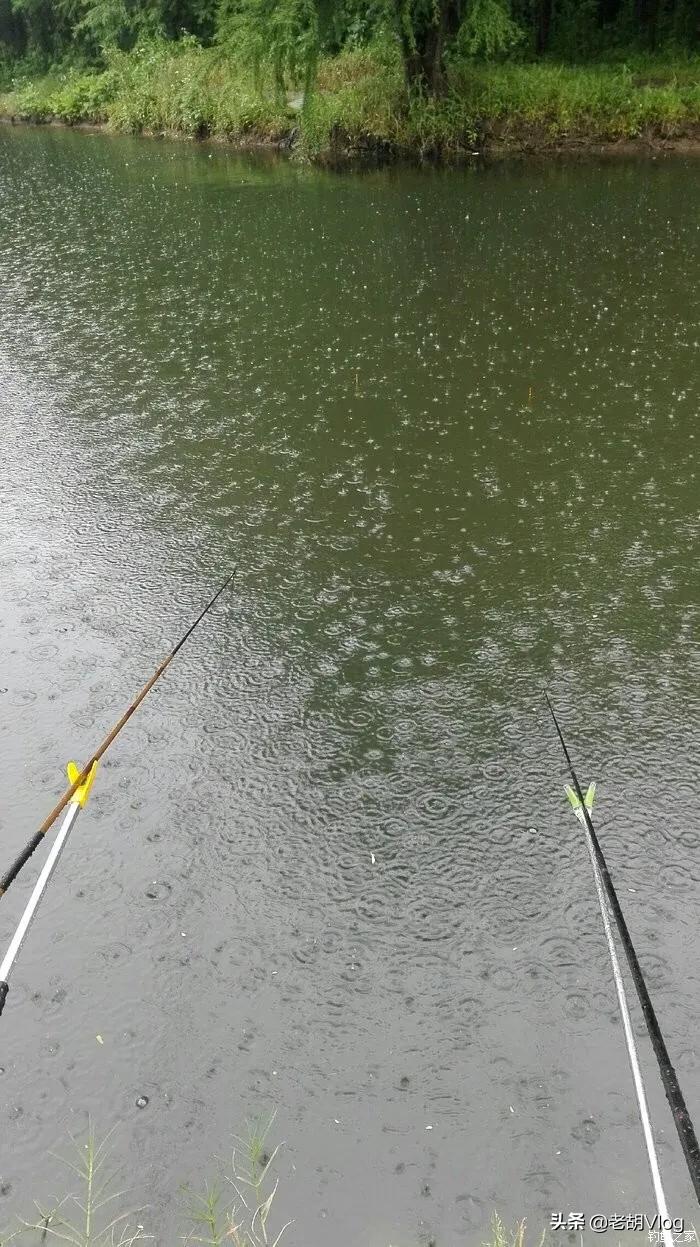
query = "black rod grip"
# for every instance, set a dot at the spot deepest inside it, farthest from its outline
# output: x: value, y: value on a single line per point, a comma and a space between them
x: 20, y: 862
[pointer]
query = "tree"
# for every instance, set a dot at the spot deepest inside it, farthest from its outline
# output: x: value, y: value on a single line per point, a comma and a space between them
x: 429, y: 28
x: 543, y: 22
x: 286, y: 36
x: 12, y: 31
x: 46, y: 24
x: 425, y: 27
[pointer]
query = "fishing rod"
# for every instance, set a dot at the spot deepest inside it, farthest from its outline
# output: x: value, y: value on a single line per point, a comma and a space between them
x: 76, y: 795
x: 661, y: 1204
x: 76, y: 804
x: 80, y: 779
x: 684, y: 1126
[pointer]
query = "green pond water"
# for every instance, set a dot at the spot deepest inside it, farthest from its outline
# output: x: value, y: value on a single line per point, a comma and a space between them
x: 445, y: 424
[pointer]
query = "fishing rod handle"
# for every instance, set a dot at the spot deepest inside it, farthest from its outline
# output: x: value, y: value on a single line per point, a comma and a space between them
x: 20, y: 861
x: 4, y: 989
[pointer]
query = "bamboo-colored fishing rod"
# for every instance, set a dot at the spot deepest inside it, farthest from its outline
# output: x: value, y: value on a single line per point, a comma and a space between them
x: 674, y: 1095
x: 83, y: 775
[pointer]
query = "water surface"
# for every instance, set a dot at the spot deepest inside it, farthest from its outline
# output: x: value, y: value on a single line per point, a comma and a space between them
x: 445, y: 423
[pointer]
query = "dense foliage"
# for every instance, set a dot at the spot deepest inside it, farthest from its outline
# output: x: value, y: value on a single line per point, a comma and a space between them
x: 288, y: 36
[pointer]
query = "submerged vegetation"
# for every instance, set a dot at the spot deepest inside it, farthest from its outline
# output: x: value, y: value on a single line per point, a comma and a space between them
x: 235, y: 1209
x: 340, y: 77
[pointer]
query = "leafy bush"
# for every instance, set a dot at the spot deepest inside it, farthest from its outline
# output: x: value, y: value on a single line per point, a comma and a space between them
x: 30, y: 101
x: 81, y: 97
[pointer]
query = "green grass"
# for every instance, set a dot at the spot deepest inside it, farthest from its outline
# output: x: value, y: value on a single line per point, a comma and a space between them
x: 599, y: 102
x: 235, y: 1209
x: 360, y: 104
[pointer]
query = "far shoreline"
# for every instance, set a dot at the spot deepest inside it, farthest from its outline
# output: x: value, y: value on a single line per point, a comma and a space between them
x: 519, y: 143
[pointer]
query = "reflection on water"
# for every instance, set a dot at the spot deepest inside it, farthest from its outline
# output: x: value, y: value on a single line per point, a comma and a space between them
x: 445, y: 422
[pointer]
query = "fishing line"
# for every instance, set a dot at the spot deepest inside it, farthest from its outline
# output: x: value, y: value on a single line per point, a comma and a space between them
x: 674, y: 1095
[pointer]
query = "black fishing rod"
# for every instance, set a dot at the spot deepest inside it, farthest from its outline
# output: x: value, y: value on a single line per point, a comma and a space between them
x: 82, y: 776
x: 674, y: 1095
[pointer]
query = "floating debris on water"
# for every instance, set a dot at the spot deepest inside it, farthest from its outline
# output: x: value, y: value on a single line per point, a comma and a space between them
x: 157, y: 891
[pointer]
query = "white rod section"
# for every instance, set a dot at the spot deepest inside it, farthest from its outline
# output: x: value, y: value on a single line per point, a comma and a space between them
x: 39, y: 887
x: 661, y: 1205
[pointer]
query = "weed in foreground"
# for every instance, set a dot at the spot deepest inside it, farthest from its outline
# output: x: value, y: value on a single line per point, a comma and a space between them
x: 243, y: 1220
x: 237, y: 1213
x: 501, y: 1237
x: 84, y: 1220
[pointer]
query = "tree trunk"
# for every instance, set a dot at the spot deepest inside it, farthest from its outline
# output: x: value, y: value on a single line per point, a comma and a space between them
x: 544, y: 22
x: 647, y: 14
x: 423, y: 47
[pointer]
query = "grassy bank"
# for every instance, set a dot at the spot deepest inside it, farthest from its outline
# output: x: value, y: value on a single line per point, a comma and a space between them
x: 360, y: 105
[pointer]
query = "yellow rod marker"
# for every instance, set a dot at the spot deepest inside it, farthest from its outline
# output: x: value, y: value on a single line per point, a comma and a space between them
x: 76, y: 804
x: 81, y: 793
